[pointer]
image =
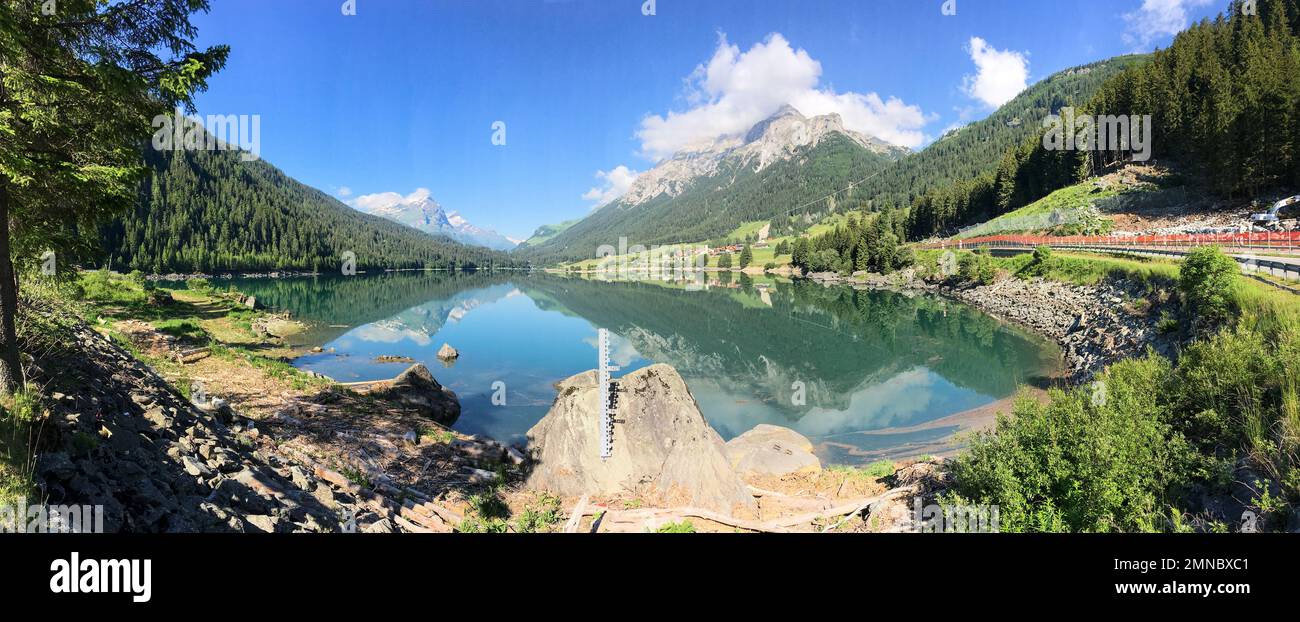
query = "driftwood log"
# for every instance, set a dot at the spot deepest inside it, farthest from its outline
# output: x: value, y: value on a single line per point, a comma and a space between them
x: 639, y: 519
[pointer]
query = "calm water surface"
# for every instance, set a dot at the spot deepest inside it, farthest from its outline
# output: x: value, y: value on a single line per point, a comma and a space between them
x: 882, y: 373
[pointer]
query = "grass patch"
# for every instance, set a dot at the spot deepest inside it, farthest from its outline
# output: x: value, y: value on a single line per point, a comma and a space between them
x: 437, y: 434
x: 541, y: 514
x: 488, y: 513
x: 274, y: 368
x: 186, y: 329
x: 868, y: 473
x: 685, y: 526
x: 20, y: 419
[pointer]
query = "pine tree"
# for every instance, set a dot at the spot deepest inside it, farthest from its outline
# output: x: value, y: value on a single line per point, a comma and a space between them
x: 78, y: 92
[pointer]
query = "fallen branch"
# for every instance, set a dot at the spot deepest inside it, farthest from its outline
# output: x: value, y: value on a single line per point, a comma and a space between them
x: 643, y: 516
x: 843, y: 510
x: 575, y: 517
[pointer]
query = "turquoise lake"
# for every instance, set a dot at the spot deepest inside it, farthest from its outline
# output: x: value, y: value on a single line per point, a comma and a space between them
x: 882, y: 374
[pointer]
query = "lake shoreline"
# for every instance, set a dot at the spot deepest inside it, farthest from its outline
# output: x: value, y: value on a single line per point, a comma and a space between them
x: 1094, y: 325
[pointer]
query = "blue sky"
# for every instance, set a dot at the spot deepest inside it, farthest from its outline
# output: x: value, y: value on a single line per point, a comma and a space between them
x: 403, y: 94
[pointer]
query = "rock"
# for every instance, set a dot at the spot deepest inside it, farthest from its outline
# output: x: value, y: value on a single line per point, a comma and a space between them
x: 251, y: 302
x: 381, y: 526
x: 448, y: 353
x: 301, y: 479
x: 56, y: 464
x: 416, y: 388
x: 411, y: 437
x: 390, y: 358
x: 664, y: 450
x: 772, y: 450
x: 263, y: 522
x: 317, y: 349
x: 195, y: 468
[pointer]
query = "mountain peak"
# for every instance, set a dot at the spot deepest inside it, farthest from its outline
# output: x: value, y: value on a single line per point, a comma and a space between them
x: 778, y: 137
x: 420, y: 211
x: 787, y: 110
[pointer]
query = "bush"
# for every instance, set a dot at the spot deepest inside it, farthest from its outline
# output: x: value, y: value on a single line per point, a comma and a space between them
x: 199, y: 284
x: 977, y: 267
x: 1207, y: 281
x: 1098, y: 458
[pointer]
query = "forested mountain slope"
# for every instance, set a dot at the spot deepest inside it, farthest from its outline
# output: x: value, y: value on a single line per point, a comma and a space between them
x: 976, y: 149
x: 717, y: 204
x: 209, y: 211
x: 1224, y: 102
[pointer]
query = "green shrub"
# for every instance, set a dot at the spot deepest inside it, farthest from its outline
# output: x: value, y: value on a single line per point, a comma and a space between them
x: 1093, y: 459
x: 1037, y: 265
x: 977, y: 267
x: 199, y: 284
x: 1207, y: 281
x: 1167, y: 325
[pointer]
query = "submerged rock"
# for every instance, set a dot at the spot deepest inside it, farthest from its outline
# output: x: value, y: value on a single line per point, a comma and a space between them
x: 664, y: 450
x: 772, y: 450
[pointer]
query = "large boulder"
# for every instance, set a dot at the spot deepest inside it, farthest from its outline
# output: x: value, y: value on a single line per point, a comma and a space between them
x: 416, y: 388
x: 772, y: 450
x: 665, y: 453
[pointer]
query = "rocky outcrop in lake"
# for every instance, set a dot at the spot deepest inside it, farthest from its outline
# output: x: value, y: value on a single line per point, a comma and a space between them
x: 770, y: 450
x: 664, y: 450
x: 417, y: 388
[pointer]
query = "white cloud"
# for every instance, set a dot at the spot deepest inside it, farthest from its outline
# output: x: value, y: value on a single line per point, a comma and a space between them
x: 1000, y: 75
x: 345, y: 191
x: 1157, y: 19
x: 613, y: 185
x: 387, y: 200
x: 736, y: 90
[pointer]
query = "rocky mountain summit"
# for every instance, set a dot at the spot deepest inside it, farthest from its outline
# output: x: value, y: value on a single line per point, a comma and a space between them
x: 779, y: 137
x: 420, y: 211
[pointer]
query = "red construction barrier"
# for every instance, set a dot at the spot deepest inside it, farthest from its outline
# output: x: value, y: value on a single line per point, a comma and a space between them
x: 1273, y: 240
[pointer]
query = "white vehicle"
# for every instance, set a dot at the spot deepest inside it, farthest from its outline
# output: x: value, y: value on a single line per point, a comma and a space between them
x: 1272, y: 214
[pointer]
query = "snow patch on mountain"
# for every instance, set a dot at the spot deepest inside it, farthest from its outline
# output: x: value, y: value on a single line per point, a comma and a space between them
x: 420, y: 211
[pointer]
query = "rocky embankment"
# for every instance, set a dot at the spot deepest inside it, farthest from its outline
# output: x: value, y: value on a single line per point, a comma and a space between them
x: 116, y: 434
x: 1095, y: 325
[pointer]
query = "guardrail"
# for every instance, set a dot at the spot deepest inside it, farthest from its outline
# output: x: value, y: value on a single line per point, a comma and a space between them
x: 1243, y: 247
x: 1286, y: 241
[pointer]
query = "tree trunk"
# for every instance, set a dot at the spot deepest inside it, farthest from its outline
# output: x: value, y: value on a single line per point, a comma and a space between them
x: 11, y: 371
